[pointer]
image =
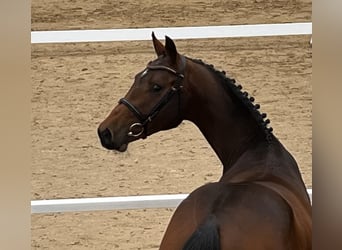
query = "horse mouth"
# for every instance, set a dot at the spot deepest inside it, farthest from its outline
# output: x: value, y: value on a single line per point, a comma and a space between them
x: 107, y: 142
x: 123, y: 147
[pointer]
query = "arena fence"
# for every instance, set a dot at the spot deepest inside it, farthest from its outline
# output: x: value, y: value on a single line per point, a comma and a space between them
x: 110, y: 203
x: 201, y: 32
x: 74, y: 36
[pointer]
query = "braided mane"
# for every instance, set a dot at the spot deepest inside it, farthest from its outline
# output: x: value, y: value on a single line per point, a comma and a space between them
x: 230, y: 85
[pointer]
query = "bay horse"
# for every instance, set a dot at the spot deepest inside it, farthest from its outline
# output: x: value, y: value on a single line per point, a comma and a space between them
x: 260, y: 201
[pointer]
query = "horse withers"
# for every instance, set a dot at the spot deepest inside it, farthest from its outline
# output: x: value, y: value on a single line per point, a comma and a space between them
x: 260, y: 201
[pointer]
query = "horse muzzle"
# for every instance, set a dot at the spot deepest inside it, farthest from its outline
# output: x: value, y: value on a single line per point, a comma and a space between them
x: 107, y: 141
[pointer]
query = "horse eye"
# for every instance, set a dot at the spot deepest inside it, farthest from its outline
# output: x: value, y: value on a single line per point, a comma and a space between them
x: 156, y: 87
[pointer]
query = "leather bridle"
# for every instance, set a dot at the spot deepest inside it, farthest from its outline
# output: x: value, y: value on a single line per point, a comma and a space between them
x: 139, y: 128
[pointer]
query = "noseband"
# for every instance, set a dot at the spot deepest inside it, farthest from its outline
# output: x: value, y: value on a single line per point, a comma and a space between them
x: 138, y: 128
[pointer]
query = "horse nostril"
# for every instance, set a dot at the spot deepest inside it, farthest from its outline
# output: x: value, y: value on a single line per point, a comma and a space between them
x: 105, y: 136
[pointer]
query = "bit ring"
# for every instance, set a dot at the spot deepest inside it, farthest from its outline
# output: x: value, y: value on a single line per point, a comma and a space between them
x: 135, y: 126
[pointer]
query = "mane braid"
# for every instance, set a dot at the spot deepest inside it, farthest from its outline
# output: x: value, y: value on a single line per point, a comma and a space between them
x: 247, y: 101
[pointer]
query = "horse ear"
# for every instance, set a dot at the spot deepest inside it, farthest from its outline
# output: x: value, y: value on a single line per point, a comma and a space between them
x: 171, y: 49
x: 158, y: 46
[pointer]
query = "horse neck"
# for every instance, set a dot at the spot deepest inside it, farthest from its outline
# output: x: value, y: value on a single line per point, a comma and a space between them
x: 212, y: 109
x: 225, y: 122
x: 234, y: 134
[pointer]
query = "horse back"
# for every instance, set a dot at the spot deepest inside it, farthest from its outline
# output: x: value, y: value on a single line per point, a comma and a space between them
x: 244, y: 216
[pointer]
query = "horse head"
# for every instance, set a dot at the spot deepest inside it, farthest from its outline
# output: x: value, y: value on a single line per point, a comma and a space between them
x: 153, y: 103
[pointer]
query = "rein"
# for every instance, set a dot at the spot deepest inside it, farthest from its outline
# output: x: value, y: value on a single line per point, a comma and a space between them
x: 138, y: 128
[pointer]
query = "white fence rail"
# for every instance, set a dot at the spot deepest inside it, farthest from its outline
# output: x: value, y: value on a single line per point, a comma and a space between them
x: 106, y: 35
x: 110, y: 203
